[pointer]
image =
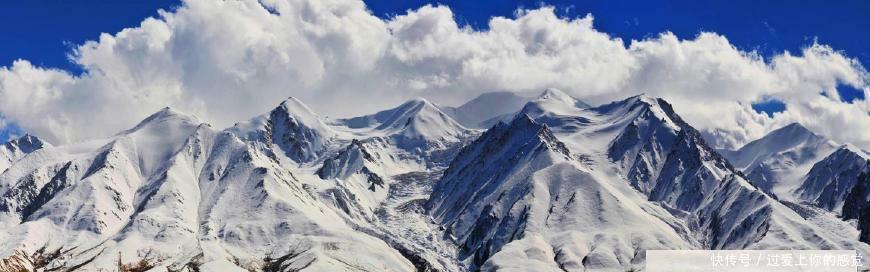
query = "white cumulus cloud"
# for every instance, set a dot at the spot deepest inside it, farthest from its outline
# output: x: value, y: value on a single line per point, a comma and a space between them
x: 226, y: 61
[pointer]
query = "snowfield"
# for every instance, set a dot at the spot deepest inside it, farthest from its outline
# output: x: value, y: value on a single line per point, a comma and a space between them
x: 516, y: 184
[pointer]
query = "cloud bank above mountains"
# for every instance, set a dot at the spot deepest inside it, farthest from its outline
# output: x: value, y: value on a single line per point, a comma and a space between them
x: 227, y: 61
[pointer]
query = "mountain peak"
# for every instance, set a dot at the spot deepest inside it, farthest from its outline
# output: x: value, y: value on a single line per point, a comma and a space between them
x: 792, y: 130
x: 27, y: 143
x: 419, y: 100
x: 794, y: 138
x: 524, y: 124
x: 641, y: 100
x: 853, y: 149
x: 644, y: 98
x: 293, y: 127
x: 293, y: 102
x: 556, y: 94
x: 504, y: 147
x: 830, y: 180
x: 413, y: 121
x: 167, y: 114
x: 641, y: 108
x: 296, y: 109
x: 553, y: 102
x: 418, y: 104
x: 523, y: 120
x: 795, y: 125
x: 785, y: 137
x: 170, y: 111
x: 487, y: 109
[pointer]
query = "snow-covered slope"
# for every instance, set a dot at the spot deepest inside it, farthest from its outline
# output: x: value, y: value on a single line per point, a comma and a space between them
x: 15, y: 149
x: 292, y: 127
x: 415, y: 125
x: 668, y: 160
x: 778, y: 161
x: 636, y: 152
x: 830, y: 180
x: 361, y: 179
x: 517, y: 190
x: 556, y: 107
x: 559, y: 186
x: 474, y: 113
x: 174, y: 193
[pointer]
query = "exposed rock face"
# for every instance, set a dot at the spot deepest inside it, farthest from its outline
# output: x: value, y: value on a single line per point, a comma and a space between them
x: 832, y: 178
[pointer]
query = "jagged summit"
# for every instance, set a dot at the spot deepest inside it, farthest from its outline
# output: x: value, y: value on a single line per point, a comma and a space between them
x: 296, y: 109
x: 558, y: 110
x: 640, y: 108
x: 349, y: 160
x: 556, y: 186
x: 292, y: 127
x: 639, y: 100
x: 830, y: 180
x: 501, y: 147
x: 518, y: 188
x: 523, y: 124
x: 854, y: 149
x: 26, y: 144
x: 17, y: 148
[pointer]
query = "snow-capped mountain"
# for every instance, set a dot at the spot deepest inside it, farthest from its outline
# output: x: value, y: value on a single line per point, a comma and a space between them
x: 636, y: 152
x: 292, y: 127
x: 551, y: 98
x: 476, y: 112
x: 415, y: 125
x: 800, y: 166
x: 671, y: 163
x: 175, y: 192
x: 778, y: 161
x: 15, y: 149
x: 830, y: 180
x: 557, y: 186
x: 557, y: 108
x: 517, y: 189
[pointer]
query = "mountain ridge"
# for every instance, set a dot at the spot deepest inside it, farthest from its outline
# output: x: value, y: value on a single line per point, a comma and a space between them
x: 560, y: 186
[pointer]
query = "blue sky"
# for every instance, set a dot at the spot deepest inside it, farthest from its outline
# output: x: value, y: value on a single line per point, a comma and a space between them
x: 768, y: 26
x: 45, y: 31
